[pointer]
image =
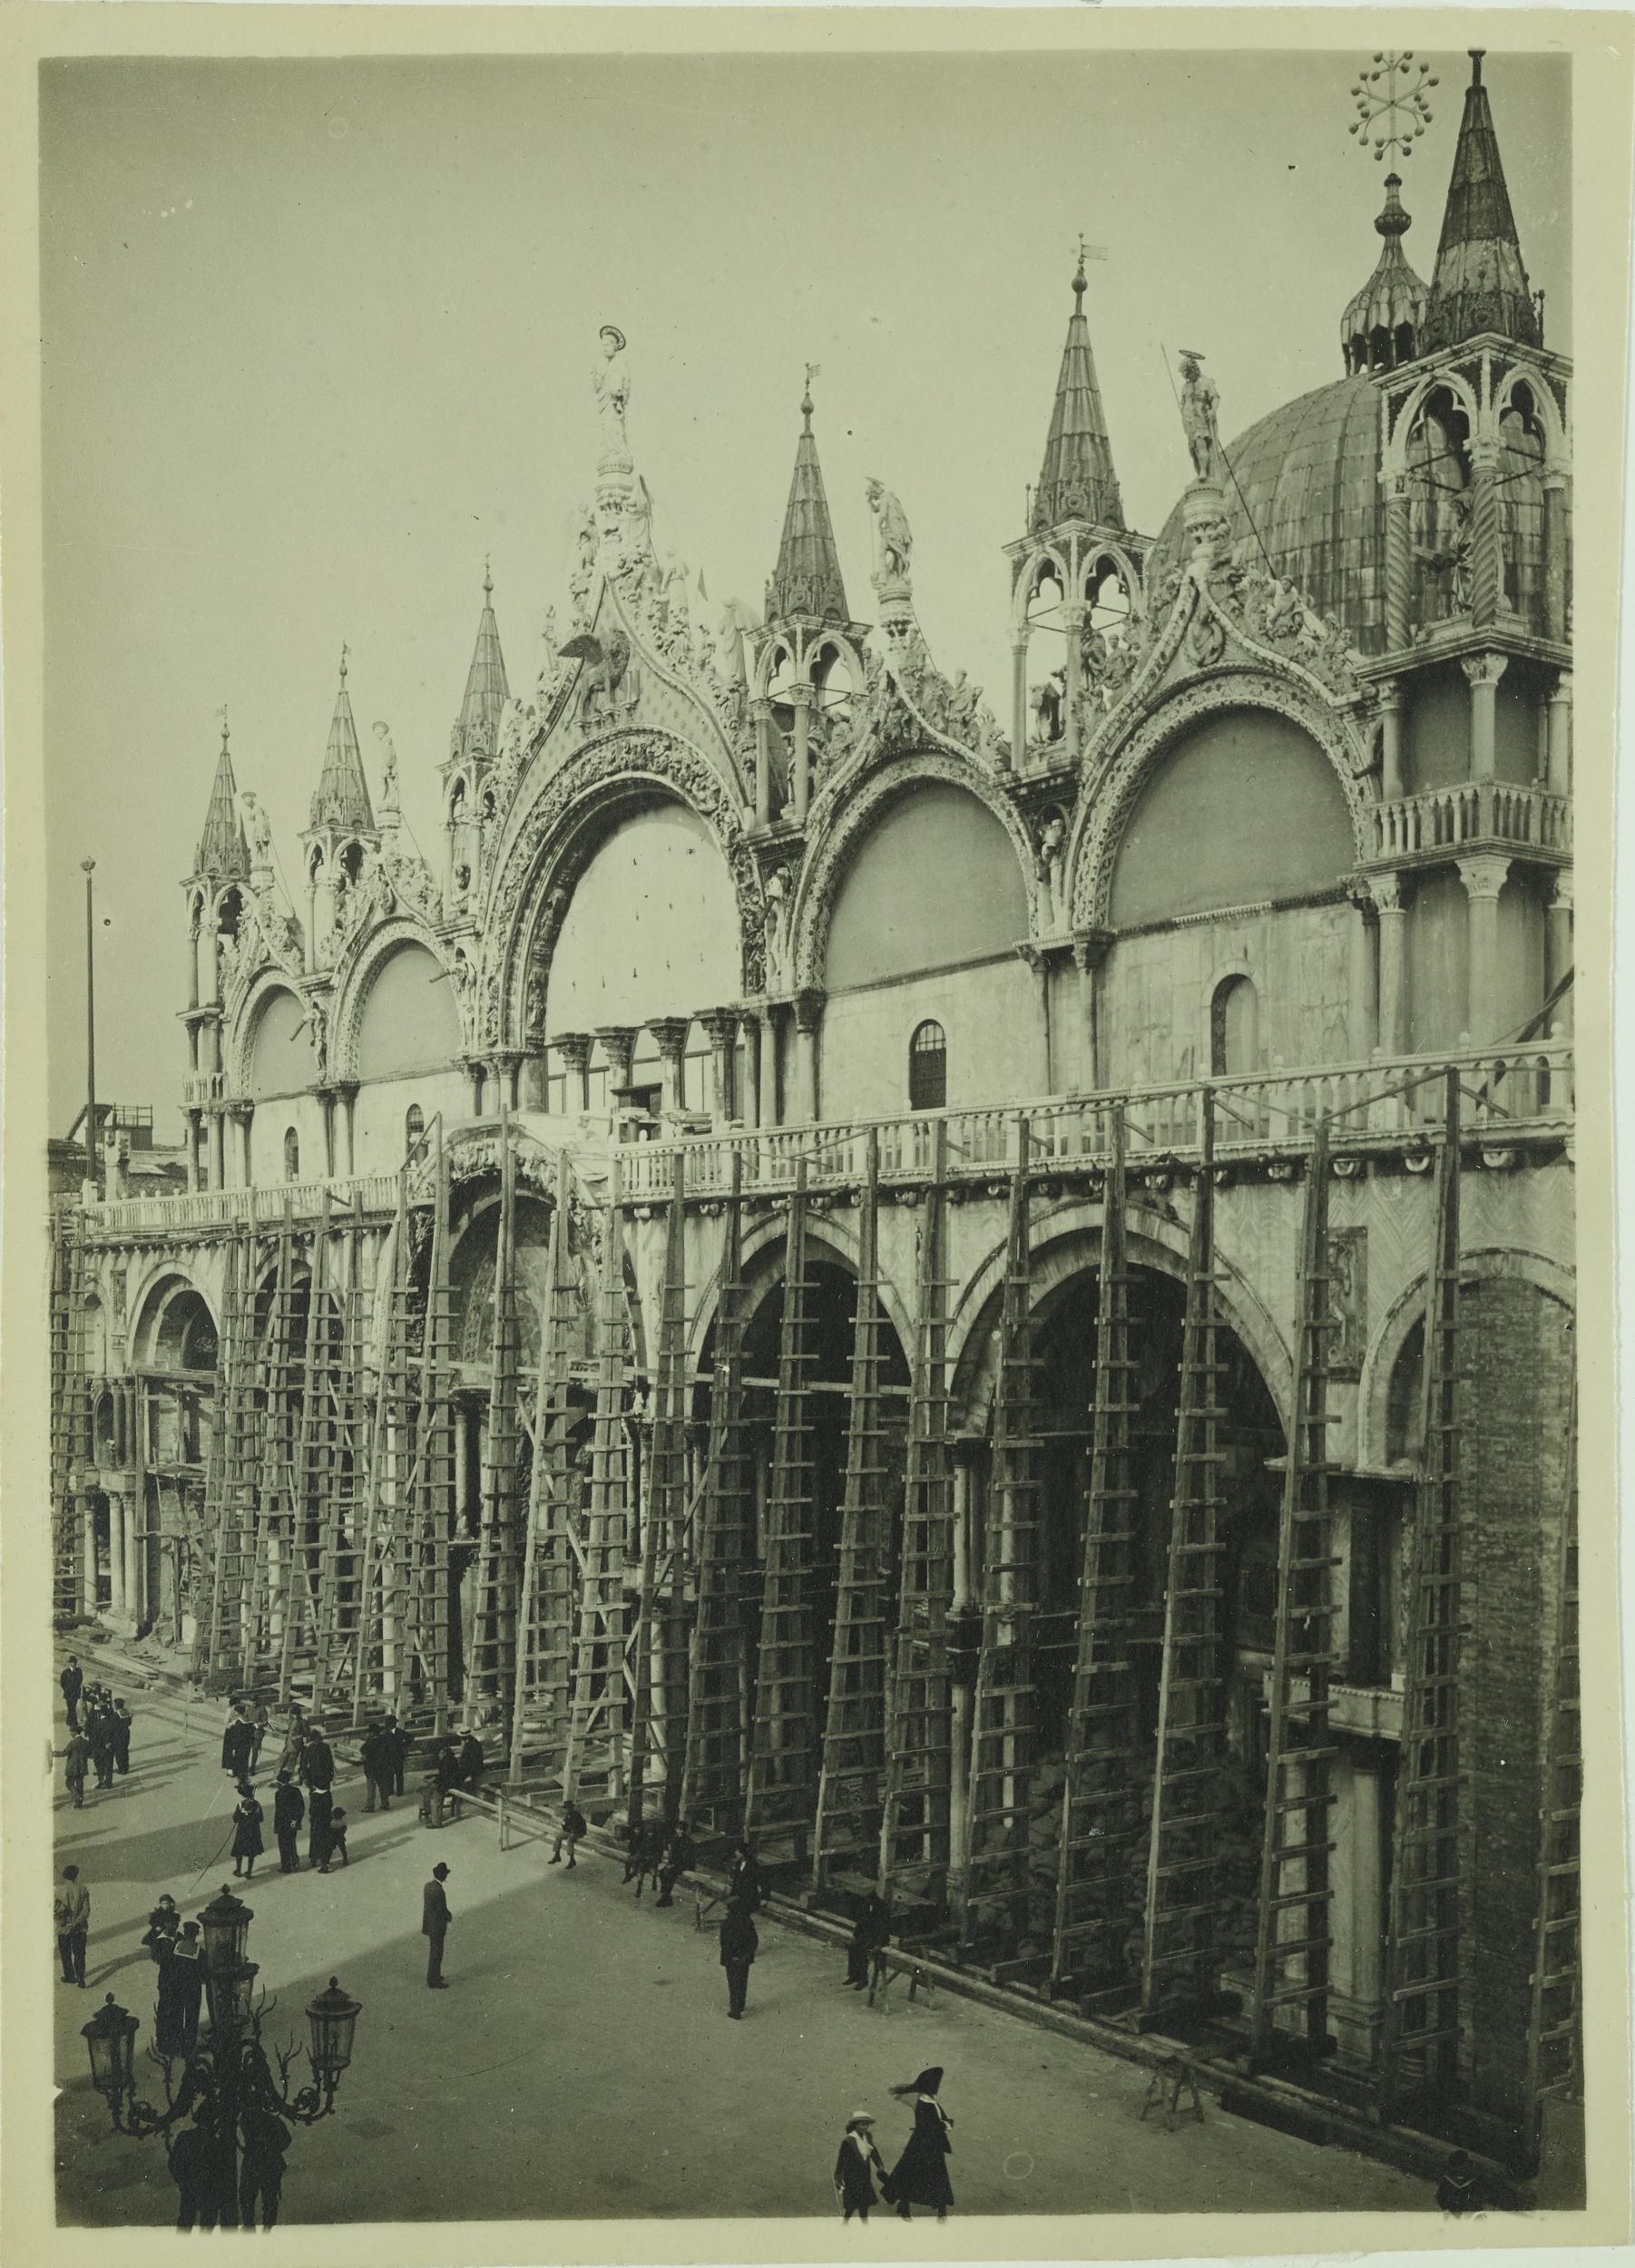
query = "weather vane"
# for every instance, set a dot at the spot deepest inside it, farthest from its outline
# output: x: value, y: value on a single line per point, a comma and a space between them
x: 813, y: 370
x: 1392, y: 106
x: 222, y: 713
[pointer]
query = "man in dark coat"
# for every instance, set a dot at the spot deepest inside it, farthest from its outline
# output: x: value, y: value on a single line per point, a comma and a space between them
x: 288, y: 1810
x: 71, y: 1911
x: 100, y: 1733
x: 572, y: 1832
x: 680, y: 1852
x: 435, y: 1919
x: 239, y: 1743
x: 739, y: 1945
x: 122, y: 1737
x: 76, y: 1763
x: 856, y: 2166
x: 870, y: 1933
x: 164, y: 1926
x: 470, y: 1762
x: 317, y: 1770
x: 446, y: 1766
x: 180, y: 1992
x: 399, y: 1741
x: 747, y: 1883
x: 920, y: 2176
x: 195, y: 2157
x: 378, y: 1766
x: 646, y: 1850
x: 73, y: 1682
x: 266, y: 2139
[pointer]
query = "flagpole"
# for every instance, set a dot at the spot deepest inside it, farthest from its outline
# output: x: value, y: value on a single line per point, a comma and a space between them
x: 89, y: 865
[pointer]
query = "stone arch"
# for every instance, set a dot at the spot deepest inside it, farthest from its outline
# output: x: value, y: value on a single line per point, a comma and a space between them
x: 1042, y: 556
x: 1067, y: 1242
x: 825, y: 867
x: 357, y: 973
x: 160, y: 1323
x: 1380, y: 1360
x: 1402, y: 422
x: 553, y: 841
x: 1103, y: 818
x: 1545, y: 408
x: 241, y: 1046
x: 829, y: 1235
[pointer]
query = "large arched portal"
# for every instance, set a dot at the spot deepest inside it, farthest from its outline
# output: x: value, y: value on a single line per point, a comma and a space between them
x: 177, y: 1353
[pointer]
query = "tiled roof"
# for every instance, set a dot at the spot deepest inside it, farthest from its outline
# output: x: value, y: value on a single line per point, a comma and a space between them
x: 1480, y: 284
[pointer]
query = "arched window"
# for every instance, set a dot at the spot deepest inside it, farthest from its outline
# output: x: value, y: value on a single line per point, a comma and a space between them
x: 1234, y: 1038
x: 928, y: 1068
x: 414, y: 1126
x: 292, y: 1154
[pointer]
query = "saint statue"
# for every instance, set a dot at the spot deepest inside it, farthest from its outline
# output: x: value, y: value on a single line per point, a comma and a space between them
x: 611, y: 382
x: 894, y: 541
x: 1199, y: 404
x: 388, y: 785
x: 257, y: 833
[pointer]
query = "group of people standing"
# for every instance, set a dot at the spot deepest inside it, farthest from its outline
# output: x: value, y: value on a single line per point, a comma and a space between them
x: 99, y: 1732
x: 303, y: 1792
x: 919, y: 2177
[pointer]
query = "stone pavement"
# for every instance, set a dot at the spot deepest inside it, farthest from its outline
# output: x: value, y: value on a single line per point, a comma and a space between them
x: 582, y: 2062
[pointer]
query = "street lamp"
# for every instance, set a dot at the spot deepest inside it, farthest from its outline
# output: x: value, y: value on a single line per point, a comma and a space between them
x: 228, y: 2081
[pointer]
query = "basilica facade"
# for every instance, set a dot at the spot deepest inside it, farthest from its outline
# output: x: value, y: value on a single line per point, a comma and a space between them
x: 980, y: 1289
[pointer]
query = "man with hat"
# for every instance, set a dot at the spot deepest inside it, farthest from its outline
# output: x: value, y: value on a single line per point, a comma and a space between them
x: 740, y: 1944
x: 288, y: 1810
x: 73, y: 1682
x: 434, y: 1923
x: 73, y: 1911
x: 181, y: 1993
x: 855, y: 2168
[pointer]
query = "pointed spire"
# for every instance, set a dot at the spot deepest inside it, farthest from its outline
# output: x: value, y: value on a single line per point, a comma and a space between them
x: 477, y: 732
x: 806, y: 579
x: 1391, y: 302
x: 1076, y: 480
x: 222, y: 851
x: 342, y: 799
x: 1480, y: 284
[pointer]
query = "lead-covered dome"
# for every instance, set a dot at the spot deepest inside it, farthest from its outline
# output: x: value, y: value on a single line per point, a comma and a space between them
x: 1307, y: 483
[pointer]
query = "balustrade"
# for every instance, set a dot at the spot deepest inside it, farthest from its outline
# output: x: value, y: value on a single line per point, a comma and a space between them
x: 1472, y: 811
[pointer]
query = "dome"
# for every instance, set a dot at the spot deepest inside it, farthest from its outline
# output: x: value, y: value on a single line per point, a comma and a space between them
x: 1306, y: 482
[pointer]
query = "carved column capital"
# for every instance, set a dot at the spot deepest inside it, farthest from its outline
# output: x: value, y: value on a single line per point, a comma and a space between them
x: 1090, y: 948
x: 1385, y: 890
x: 575, y: 1048
x: 1483, y: 668
x: 1485, y: 875
x: 808, y: 1008
x: 1560, y: 897
x: 618, y: 1044
x: 1561, y: 690
x: 670, y: 1034
x: 721, y: 1025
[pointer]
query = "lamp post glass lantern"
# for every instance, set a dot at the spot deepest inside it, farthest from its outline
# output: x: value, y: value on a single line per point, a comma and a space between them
x: 228, y: 2083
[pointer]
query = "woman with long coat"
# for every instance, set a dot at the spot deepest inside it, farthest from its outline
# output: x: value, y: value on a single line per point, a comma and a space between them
x: 920, y: 2176
x: 238, y: 1742
x: 248, y: 1845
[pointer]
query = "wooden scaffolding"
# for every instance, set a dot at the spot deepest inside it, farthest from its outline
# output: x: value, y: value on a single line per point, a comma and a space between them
x: 658, y: 1669
x: 594, y: 1765
x: 1555, y: 2045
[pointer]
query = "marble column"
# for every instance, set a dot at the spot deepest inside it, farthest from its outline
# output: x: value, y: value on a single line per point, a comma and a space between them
x: 1391, y: 1023
x: 808, y: 1018
x: 1482, y: 672
x: 1399, y: 569
x: 1090, y: 956
x: 574, y: 1049
x: 349, y: 1127
x: 619, y: 1045
x: 193, y: 979
x: 1559, y: 772
x: 192, y: 1148
x: 116, y: 1555
x: 1558, y: 941
x: 1555, y: 555
x: 1073, y: 624
x: 1484, y: 877
x: 721, y: 1025
x: 768, y: 1068
x: 1360, y: 943
x: 87, y: 1555
x: 217, y: 1172
x: 761, y: 713
x: 1390, y: 713
x: 136, y: 1560
x: 749, y: 1098
x: 1359, y: 1918
x: 1039, y: 1051
x: 799, y: 753
x: 672, y: 1034
x: 243, y: 1118
x: 1019, y: 700
x: 473, y: 1087
x: 1487, y: 554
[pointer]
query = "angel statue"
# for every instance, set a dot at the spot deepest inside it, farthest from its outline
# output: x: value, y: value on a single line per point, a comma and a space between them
x: 613, y: 388
x: 1199, y: 406
x: 388, y: 785
x: 257, y: 833
x: 894, y: 539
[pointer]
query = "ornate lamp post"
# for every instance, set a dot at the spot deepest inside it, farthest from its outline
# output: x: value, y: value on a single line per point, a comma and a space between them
x: 228, y: 2083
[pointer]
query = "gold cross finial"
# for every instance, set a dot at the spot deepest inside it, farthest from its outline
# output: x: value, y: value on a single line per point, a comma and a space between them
x: 222, y: 713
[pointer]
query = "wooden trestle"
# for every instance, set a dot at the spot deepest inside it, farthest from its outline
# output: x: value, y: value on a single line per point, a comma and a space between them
x: 1292, y: 1917
x: 1186, y: 1900
x: 781, y: 1799
x: 716, y: 1761
x: 914, y: 1835
x: 1098, y: 1906
x: 851, y: 1788
x: 1555, y: 2045
x: 491, y: 1648
x: 1421, y: 2030
x: 1003, y: 1720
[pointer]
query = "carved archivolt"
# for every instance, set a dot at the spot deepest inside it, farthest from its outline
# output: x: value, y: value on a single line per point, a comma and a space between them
x: 815, y: 891
x: 1102, y: 819
x: 358, y: 970
x: 549, y: 848
x: 247, y: 1015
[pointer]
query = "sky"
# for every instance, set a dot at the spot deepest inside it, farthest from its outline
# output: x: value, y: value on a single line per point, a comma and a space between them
x: 319, y: 340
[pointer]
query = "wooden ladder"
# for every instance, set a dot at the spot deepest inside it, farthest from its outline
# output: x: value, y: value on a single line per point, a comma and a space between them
x: 660, y: 1642
x: 1294, y: 1924
x: 594, y: 1765
x: 491, y: 1657
x: 1555, y: 2031
x: 73, y: 1583
x: 235, y: 1455
x: 1098, y: 1905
